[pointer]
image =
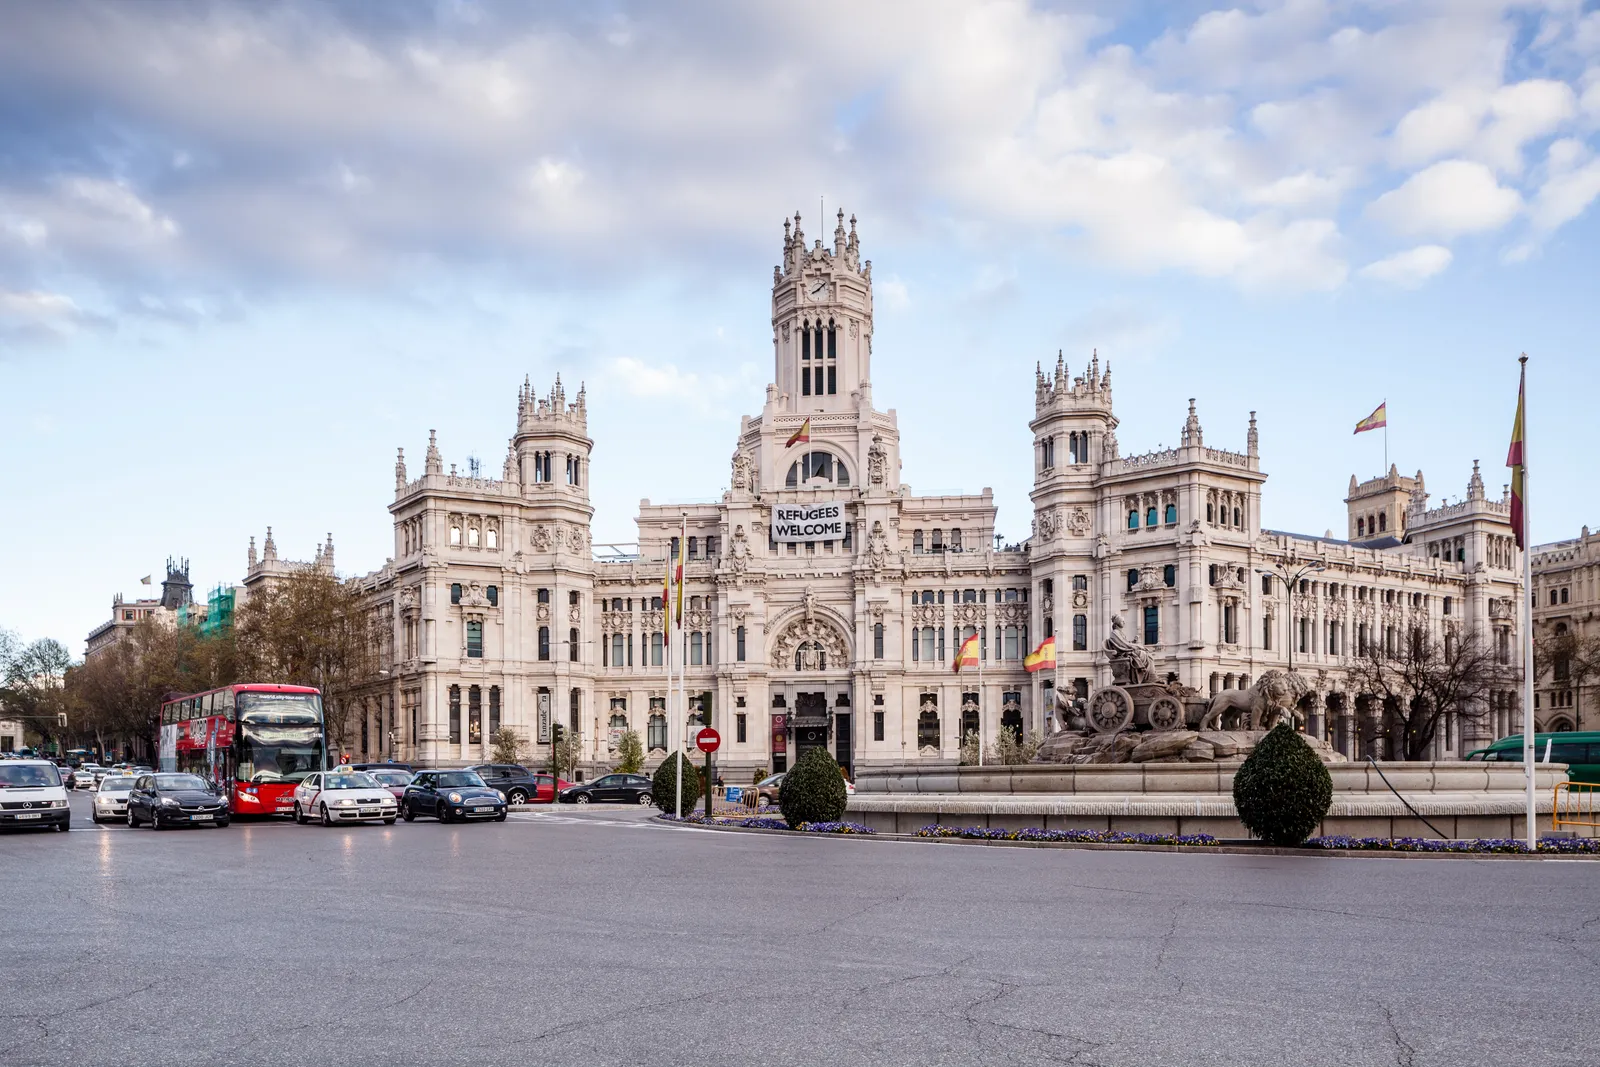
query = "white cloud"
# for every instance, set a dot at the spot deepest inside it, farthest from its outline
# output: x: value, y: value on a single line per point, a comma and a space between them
x: 37, y: 315
x: 890, y: 293
x: 1448, y: 199
x: 1572, y: 185
x: 1410, y: 268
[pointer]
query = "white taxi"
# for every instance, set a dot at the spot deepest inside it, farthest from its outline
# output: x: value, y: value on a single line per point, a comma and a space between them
x: 343, y: 796
x: 111, y: 798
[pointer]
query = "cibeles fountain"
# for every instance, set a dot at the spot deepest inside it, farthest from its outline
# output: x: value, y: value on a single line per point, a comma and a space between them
x: 1151, y: 756
x: 1138, y: 719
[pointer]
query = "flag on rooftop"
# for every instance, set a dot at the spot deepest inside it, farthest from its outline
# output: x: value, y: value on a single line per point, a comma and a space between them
x: 1377, y: 420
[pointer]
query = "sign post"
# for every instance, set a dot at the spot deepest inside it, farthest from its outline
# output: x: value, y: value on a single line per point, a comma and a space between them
x: 708, y: 741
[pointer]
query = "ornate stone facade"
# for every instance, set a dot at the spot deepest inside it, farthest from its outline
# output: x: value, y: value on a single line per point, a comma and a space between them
x: 1566, y: 600
x: 503, y: 612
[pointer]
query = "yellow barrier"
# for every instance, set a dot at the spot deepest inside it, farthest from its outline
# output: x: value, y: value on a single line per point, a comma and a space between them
x: 1576, y: 807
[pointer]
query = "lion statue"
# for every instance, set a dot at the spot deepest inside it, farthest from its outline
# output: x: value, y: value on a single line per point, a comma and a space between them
x: 1270, y: 698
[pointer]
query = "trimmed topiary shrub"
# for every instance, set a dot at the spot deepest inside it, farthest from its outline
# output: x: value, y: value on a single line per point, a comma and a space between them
x: 1282, y: 790
x: 813, y: 791
x: 664, y: 786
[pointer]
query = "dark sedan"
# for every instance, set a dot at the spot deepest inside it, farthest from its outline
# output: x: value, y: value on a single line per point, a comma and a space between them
x: 452, y: 795
x: 610, y: 789
x: 164, y: 800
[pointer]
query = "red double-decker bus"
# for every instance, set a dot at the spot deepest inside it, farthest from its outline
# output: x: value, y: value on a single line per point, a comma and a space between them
x: 255, y: 742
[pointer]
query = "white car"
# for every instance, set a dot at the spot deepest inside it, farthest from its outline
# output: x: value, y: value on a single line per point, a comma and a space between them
x: 83, y: 777
x: 343, y: 796
x: 32, y: 794
x: 111, y: 799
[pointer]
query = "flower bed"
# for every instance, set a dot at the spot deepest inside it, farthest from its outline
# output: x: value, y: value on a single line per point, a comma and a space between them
x: 763, y: 822
x: 1562, y: 845
x: 1034, y: 833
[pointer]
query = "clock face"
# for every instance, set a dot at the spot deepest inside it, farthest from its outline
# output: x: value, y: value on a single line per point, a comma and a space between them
x: 819, y: 289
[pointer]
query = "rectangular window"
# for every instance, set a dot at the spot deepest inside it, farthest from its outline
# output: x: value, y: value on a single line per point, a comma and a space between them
x: 572, y: 645
x: 455, y: 714
x: 1266, y: 632
x: 493, y: 593
x: 877, y: 727
x: 475, y: 715
x: 455, y: 592
x: 544, y: 642
x: 694, y: 649
x: 544, y: 596
x: 1080, y: 633
x: 494, y: 711
x: 738, y: 730
x: 1169, y: 575
x: 927, y: 644
x: 474, y: 640
x: 656, y: 643
x: 877, y: 640
x: 616, y: 650
x: 1011, y: 644
x: 1152, y: 625
x: 738, y: 644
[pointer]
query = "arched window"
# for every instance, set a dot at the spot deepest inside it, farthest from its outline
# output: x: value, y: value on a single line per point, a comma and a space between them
x: 472, y: 537
x: 816, y: 469
x: 1133, y: 520
x: 1383, y: 520
x: 1150, y: 517
x: 618, y: 721
x: 936, y: 542
x: 1361, y: 527
x: 657, y: 732
x: 928, y: 729
x: 810, y: 656
x: 455, y: 533
x: 955, y: 539
x: 916, y: 541
x: 1172, y: 515
x: 1211, y: 513
x: 491, y: 538
x: 1237, y: 522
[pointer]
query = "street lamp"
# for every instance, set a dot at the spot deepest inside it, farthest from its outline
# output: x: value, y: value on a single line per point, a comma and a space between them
x: 1291, y: 572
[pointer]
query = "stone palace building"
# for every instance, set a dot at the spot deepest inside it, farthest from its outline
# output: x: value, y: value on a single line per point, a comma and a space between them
x: 496, y: 608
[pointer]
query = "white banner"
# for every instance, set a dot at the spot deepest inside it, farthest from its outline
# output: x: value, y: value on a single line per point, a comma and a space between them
x: 808, y: 522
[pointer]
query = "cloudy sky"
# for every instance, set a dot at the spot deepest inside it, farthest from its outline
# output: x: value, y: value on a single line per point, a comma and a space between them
x: 248, y: 250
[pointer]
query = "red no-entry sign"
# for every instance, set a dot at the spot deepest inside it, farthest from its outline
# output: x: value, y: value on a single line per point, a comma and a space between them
x: 708, y: 740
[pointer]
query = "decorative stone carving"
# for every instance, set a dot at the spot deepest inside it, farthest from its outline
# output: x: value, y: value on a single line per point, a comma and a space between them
x: 739, y: 555
x: 1080, y: 598
x: 408, y: 599
x: 811, y: 632
x: 1011, y: 614
x: 971, y: 614
x: 653, y: 621
x: 541, y: 539
x: 1150, y: 581
x: 744, y: 472
x: 575, y: 614
x: 877, y: 461
x: 472, y: 596
x: 542, y: 612
x: 577, y: 538
x: 616, y: 622
x: 927, y: 615
x: 1047, y: 524
x: 877, y: 547
x: 738, y: 613
x: 1078, y: 522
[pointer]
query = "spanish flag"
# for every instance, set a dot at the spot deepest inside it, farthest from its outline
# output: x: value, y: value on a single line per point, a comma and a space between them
x: 967, y: 654
x: 802, y: 436
x: 666, y: 598
x: 1377, y: 420
x: 678, y: 579
x: 1041, y: 658
x: 1515, y: 460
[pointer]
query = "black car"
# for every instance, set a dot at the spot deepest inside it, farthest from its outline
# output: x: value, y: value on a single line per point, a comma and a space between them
x: 164, y: 800
x: 610, y: 789
x: 519, y: 784
x: 452, y: 795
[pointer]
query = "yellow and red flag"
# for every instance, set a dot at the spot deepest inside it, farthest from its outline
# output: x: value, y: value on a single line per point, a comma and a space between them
x: 802, y: 436
x: 1377, y: 420
x: 666, y: 598
x: 1042, y: 658
x: 678, y: 580
x: 1514, y: 460
x: 967, y: 654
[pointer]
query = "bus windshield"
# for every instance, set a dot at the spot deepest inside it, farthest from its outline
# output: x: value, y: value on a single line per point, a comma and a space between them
x: 277, y: 753
x: 280, y: 708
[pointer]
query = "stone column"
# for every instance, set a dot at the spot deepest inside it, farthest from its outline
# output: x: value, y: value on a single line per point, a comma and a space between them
x: 1314, y: 716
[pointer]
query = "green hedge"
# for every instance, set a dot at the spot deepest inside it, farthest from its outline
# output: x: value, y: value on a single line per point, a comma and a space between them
x: 813, y: 791
x: 664, y: 786
x: 1282, y: 791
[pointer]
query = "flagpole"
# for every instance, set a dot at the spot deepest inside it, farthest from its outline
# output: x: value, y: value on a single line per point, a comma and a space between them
x: 1527, y: 614
x: 1385, y: 437
x: 981, y: 642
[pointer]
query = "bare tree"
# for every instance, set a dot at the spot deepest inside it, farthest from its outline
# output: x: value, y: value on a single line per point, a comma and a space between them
x: 1421, y: 680
x: 1567, y: 659
x: 311, y: 629
x: 35, y: 689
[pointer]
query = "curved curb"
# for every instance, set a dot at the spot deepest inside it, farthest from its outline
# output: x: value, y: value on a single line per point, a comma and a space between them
x: 1107, y: 846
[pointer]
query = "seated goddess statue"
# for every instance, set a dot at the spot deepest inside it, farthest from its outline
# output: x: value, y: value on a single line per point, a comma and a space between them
x: 1130, y: 664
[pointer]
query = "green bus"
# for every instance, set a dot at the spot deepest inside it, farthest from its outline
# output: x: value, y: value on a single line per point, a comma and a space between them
x: 1579, y: 751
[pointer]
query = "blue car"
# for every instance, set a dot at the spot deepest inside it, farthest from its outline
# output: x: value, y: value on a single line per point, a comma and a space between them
x: 452, y: 795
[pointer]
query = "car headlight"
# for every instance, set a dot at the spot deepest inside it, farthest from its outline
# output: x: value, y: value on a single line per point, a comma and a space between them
x: 501, y: 795
x: 455, y: 798
x: 345, y: 803
x: 168, y: 802
x: 58, y: 803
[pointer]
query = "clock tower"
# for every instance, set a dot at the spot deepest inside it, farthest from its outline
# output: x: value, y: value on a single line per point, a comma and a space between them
x: 821, y: 320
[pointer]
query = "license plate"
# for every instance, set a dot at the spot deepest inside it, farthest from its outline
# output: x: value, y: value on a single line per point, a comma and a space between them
x: 31, y: 815
x: 368, y: 812
x: 200, y: 818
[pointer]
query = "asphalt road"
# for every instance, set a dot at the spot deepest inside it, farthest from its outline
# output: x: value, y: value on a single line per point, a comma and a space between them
x: 601, y: 937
